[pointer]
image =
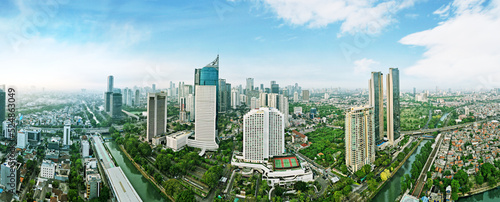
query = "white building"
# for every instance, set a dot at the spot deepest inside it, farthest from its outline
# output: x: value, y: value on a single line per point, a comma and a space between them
x: 263, y: 99
x: 22, y: 139
x: 359, y: 137
x: 296, y: 97
x: 67, y: 133
x: 284, y: 109
x: 297, y: 110
x: 243, y: 98
x: 205, y: 120
x: 85, y: 148
x: 263, y: 134
x: 157, y: 115
x: 48, y: 169
x: 190, y: 106
x: 235, y: 98
x: 178, y: 141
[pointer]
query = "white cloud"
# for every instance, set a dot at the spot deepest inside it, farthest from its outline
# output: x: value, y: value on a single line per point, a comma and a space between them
x: 464, y: 50
x: 364, y: 65
x: 443, y: 11
x: 368, y: 16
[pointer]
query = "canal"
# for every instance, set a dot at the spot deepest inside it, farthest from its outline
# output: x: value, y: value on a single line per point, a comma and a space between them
x: 489, y: 196
x: 392, y: 189
x: 142, y: 186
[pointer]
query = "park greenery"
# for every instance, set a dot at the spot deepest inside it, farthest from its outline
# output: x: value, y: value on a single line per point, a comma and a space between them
x: 417, y: 166
x: 328, y: 141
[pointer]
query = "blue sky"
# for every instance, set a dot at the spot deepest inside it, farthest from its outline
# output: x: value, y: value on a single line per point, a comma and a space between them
x: 61, y: 44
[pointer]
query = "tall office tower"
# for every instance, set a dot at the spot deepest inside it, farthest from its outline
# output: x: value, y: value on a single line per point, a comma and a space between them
x: 190, y: 107
x: 376, y: 100
x: 125, y: 96
x: 223, y: 95
x: 359, y: 137
x: 5, y: 129
x: 153, y: 86
x: 263, y: 99
x: 157, y: 115
x: 393, y: 108
x: 107, y: 101
x: 129, y: 97
x: 67, y: 133
x: 137, y: 100
x: 235, y: 98
x: 254, y: 103
x: 181, y: 91
x: 110, y: 83
x: 240, y: 89
x: 249, y: 86
x: 267, y: 90
x: 116, y: 106
x: 22, y: 139
x: 272, y: 100
x: 295, y: 97
x: 205, y: 105
x: 305, y: 95
x: 10, y: 175
x: 85, y: 148
x: 283, y: 108
x: 415, y: 92
x: 205, y: 119
x: 261, y: 87
x: 263, y: 134
x: 2, y: 103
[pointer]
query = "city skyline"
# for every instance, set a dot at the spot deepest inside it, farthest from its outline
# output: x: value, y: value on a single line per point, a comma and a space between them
x: 69, y: 45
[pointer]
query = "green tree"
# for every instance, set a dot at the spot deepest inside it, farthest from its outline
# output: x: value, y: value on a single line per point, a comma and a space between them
x: 300, y: 186
x: 186, y: 195
x: 479, y: 179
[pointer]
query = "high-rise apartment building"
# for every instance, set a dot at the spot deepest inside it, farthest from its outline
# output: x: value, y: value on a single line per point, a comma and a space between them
x: 5, y: 129
x: 393, y: 107
x: 305, y: 95
x: 224, y: 96
x: 67, y: 133
x: 376, y: 100
x: 359, y: 137
x: 137, y: 100
x: 263, y: 99
x: 157, y: 115
x: 263, y: 134
x: 254, y: 103
x: 295, y: 97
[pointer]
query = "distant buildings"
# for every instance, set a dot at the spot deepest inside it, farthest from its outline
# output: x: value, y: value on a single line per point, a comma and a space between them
x: 224, y: 96
x: 67, y: 134
x: 157, y: 115
x: 376, y: 99
x: 5, y: 129
x: 359, y: 137
x: 235, y: 98
x: 295, y: 97
x: 305, y: 95
x: 249, y: 85
x: 108, y: 94
x: 263, y: 134
x: 393, y: 107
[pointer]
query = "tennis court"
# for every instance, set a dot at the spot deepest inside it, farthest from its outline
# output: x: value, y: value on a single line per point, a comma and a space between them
x: 285, y: 162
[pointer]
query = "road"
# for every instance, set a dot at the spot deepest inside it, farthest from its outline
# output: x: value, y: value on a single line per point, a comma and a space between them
x: 422, y: 177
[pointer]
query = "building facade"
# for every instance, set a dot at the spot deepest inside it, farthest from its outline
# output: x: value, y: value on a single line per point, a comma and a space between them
x: 67, y: 133
x: 393, y: 107
x: 305, y: 95
x: 48, y: 169
x: 157, y: 115
x: 263, y: 134
x: 376, y: 100
x: 359, y: 137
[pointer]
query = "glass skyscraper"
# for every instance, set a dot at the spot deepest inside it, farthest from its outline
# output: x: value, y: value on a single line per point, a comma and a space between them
x: 376, y: 99
x: 393, y: 108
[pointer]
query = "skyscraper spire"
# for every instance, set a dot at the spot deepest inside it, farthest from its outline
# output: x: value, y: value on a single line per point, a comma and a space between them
x: 215, y: 63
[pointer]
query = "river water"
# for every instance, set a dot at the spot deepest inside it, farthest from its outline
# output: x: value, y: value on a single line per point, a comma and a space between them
x: 392, y: 189
x: 142, y: 186
x: 489, y: 196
